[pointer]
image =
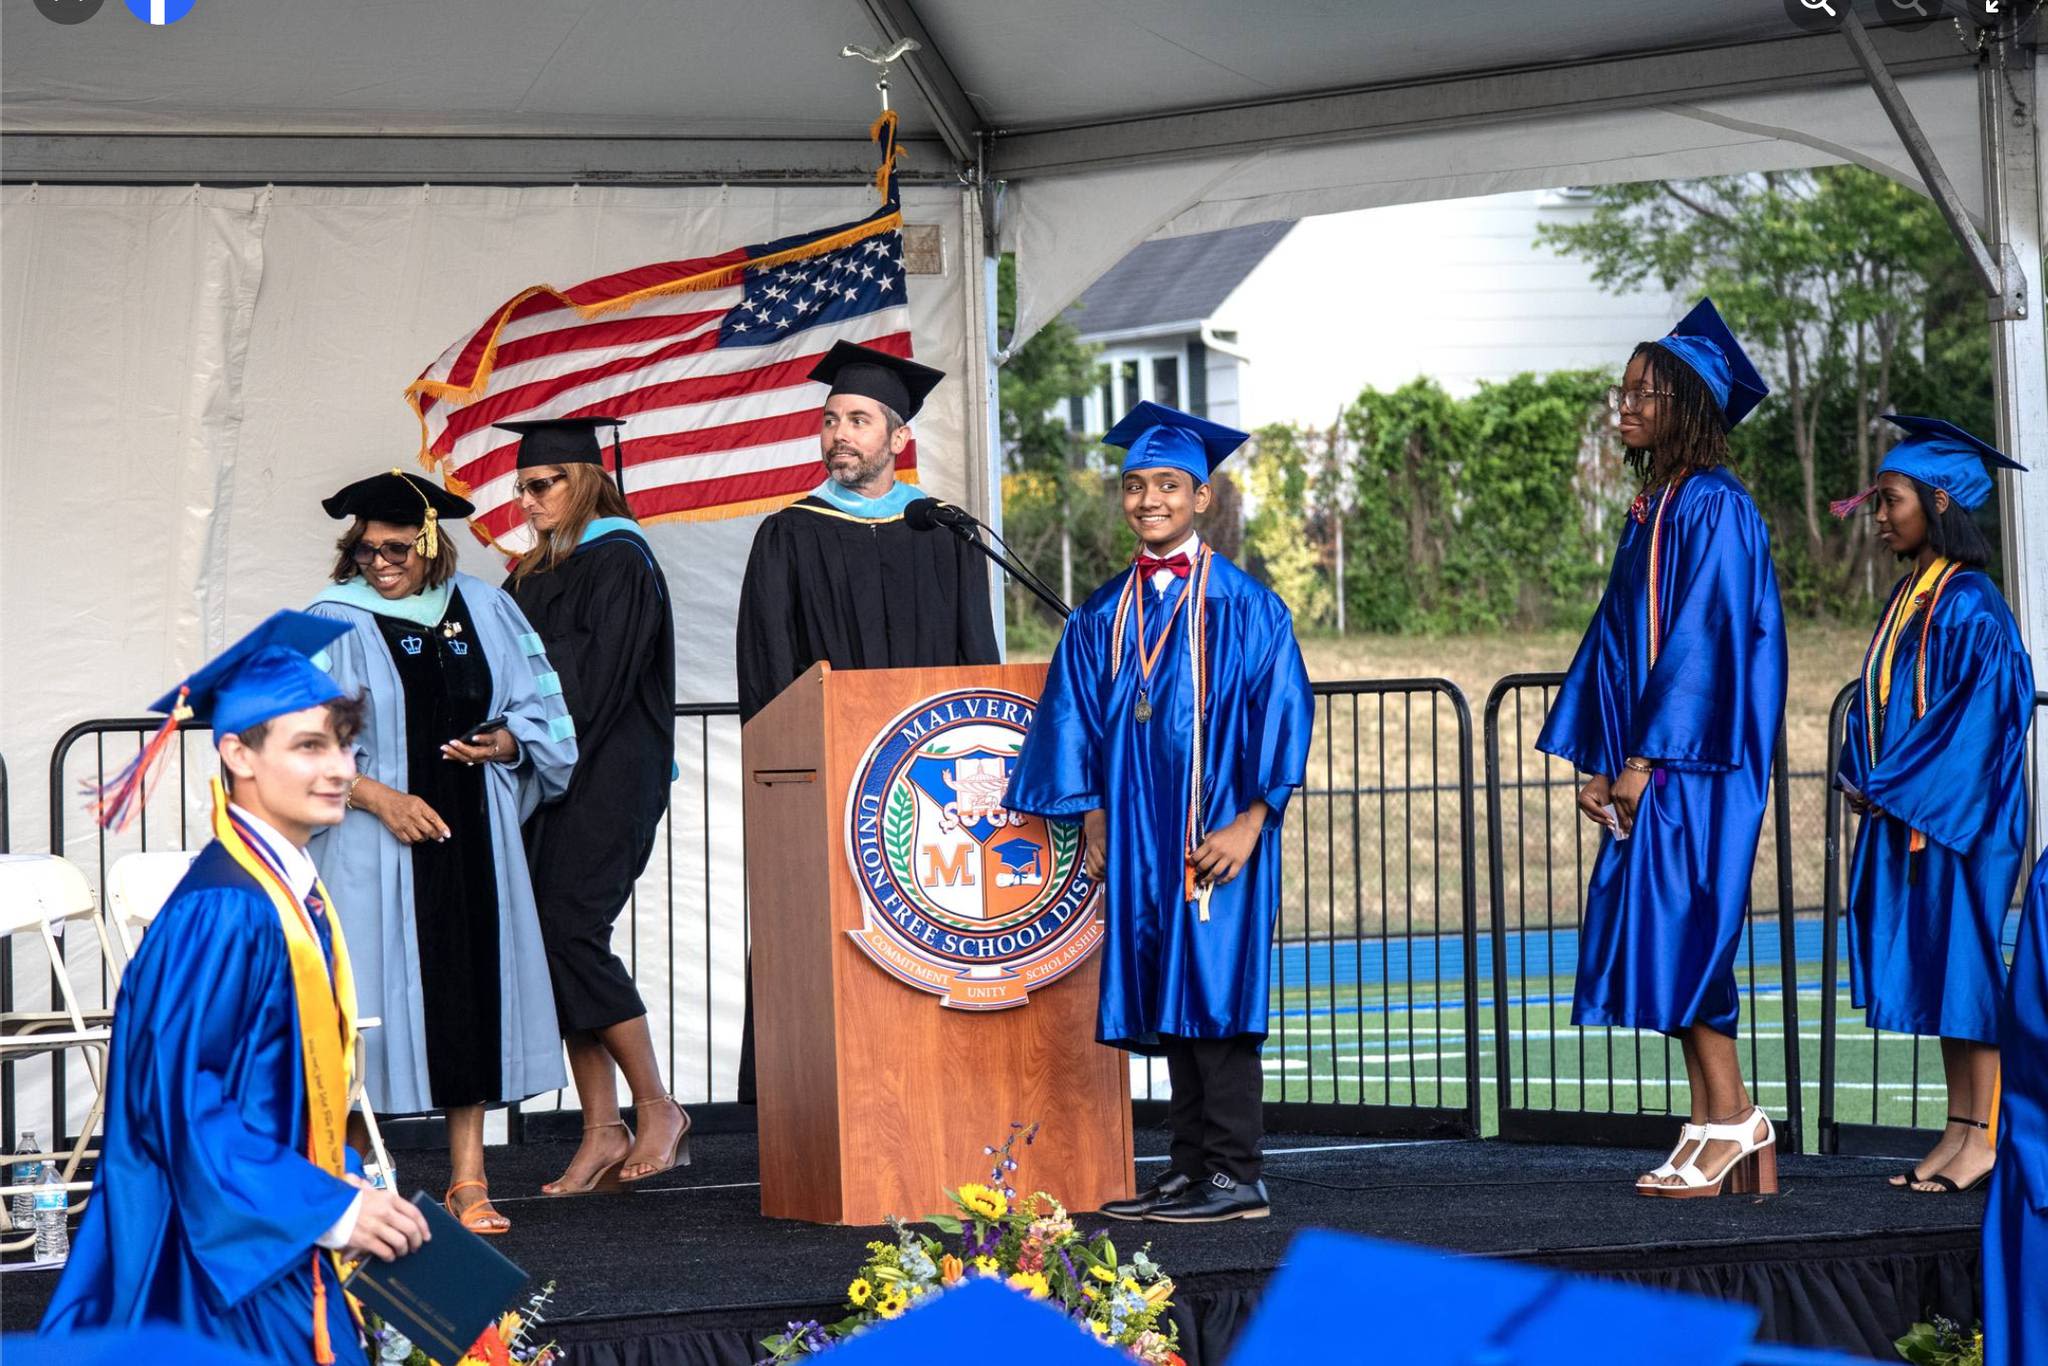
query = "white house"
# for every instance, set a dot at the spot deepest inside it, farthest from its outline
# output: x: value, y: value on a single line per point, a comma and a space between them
x: 1286, y: 322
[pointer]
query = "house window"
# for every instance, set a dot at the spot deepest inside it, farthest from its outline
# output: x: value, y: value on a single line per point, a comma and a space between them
x: 1166, y: 380
x: 1129, y: 378
x: 1106, y: 397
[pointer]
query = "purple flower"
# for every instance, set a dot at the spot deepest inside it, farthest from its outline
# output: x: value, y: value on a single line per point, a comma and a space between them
x: 1073, y: 1276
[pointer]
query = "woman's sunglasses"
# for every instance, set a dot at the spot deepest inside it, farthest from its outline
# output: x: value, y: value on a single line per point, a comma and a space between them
x: 394, y: 552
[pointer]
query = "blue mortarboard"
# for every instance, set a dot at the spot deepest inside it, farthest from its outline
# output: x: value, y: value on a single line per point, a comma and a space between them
x: 266, y: 674
x: 982, y: 1321
x: 1155, y: 436
x: 1708, y: 349
x: 1420, y: 1304
x: 158, y: 1345
x: 1944, y: 456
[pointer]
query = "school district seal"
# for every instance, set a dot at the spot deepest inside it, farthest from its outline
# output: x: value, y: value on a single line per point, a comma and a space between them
x: 974, y: 903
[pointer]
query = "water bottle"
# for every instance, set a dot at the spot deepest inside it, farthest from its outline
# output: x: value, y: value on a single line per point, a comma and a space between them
x: 21, y: 1206
x: 53, y: 1242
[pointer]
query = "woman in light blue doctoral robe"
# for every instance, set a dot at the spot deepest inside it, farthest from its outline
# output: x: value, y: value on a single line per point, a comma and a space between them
x: 371, y: 872
x: 1165, y: 972
x: 1665, y: 906
x: 2016, y: 1213
x: 1926, y: 927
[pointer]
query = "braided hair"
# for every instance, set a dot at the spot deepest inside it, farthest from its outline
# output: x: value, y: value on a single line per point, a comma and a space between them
x: 1695, y: 429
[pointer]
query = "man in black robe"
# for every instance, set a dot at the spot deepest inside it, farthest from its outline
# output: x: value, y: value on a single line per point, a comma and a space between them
x: 840, y: 576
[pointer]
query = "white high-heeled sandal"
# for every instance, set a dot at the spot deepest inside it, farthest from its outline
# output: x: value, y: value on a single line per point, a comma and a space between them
x: 1753, y: 1170
x: 1688, y: 1135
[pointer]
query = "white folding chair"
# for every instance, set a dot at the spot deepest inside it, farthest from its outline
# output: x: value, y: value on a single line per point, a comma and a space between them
x: 40, y: 895
x: 138, y: 885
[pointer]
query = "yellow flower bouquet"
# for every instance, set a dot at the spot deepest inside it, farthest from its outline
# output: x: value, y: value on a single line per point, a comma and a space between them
x: 1030, y: 1244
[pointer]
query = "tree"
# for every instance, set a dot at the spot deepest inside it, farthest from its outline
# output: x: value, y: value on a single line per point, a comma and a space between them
x: 1842, y: 284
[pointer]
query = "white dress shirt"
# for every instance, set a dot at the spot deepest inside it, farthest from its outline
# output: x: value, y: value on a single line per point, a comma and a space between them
x: 300, y: 875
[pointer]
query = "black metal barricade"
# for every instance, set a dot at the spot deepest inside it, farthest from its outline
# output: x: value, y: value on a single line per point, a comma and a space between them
x: 1375, y: 1019
x: 1894, y: 1100
x: 1554, y: 1082
x: 1375, y: 982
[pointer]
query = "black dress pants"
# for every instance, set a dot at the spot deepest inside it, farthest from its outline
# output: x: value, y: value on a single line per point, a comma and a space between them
x: 1217, y: 1110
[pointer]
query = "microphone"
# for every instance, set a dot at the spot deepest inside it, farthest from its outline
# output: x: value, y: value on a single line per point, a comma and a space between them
x: 927, y: 513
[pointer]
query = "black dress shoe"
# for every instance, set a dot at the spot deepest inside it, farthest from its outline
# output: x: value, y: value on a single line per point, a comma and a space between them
x: 1171, y: 1186
x: 1215, y: 1200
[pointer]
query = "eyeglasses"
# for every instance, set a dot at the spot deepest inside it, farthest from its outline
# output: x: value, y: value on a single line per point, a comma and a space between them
x: 394, y: 552
x: 1622, y: 400
x: 538, y: 487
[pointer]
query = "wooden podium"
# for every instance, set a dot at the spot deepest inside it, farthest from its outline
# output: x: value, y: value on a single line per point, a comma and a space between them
x: 874, y: 1096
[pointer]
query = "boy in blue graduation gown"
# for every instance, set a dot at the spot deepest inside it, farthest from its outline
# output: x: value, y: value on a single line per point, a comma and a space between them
x: 1672, y: 706
x: 2016, y: 1212
x: 1175, y: 723
x: 1934, y: 758
x: 224, y: 1188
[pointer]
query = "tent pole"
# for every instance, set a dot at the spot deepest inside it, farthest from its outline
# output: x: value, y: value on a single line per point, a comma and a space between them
x: 1991, y: 273
x: 2009, y: 89
x: 984, y: 406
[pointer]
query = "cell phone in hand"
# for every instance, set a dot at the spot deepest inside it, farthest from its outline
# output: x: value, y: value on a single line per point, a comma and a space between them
x: 1614, y: 821
x: 476, y: 737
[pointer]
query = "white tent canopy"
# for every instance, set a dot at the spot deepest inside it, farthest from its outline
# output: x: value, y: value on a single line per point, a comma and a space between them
x: 186, y: 369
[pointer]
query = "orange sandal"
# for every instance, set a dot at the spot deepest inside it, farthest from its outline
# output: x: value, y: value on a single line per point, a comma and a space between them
x: 479, y: 1216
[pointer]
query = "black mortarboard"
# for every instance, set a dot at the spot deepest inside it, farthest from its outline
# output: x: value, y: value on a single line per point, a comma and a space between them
x: 893, y: 381
x: 561, y: 440
x: 403, y: 500
x: 396, y: 497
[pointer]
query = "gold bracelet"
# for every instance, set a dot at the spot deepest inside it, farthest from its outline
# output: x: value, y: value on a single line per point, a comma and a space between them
x: 1635, y: 765
x: 349, y: 801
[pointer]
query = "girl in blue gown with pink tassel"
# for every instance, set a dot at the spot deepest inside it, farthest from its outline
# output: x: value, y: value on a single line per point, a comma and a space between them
x: 1673, y: 706
x: 1934, y: 759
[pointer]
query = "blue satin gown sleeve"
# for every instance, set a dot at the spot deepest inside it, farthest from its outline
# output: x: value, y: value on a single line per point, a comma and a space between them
x: 1694, y: 704
x: 1059, y: 772
x: 1853, y: 768
x: 250, y: 1208
x: 1584, y: 724
x: 1274, y: 760
x: 1941, y: 776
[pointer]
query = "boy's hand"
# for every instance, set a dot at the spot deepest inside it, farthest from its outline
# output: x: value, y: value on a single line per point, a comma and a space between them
x: 1224, y: 854
x: 1095, y: 839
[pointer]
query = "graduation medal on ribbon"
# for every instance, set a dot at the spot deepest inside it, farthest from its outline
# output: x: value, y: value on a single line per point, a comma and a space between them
x: 963, y: 898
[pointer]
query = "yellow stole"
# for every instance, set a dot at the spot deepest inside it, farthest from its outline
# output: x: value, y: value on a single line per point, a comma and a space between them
x: 327, y: 1027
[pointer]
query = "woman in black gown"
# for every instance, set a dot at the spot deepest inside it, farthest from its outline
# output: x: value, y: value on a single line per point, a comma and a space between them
x: 593, y: 591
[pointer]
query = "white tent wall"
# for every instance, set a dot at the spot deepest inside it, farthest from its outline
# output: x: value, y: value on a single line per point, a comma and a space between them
x: 1069, y: 229
x: 189, y: 371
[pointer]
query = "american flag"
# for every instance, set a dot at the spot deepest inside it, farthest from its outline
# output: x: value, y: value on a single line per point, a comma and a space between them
x: 705, y: 359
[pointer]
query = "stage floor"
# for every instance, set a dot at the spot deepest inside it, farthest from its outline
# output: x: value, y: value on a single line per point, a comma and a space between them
x: 689, y: 1254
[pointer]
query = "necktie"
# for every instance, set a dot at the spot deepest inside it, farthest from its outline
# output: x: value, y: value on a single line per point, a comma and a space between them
x: 1176, y: 565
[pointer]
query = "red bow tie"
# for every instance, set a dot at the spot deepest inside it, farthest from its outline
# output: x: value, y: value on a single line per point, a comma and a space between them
x: 1176, y: 565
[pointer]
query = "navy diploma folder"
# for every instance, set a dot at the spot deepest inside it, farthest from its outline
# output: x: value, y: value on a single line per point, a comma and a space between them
x: 444, y: 1295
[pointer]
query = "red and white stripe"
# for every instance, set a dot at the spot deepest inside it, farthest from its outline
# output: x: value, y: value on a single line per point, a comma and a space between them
x: 709, y: 431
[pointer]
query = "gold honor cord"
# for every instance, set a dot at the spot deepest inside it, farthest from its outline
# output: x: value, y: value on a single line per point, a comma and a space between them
x: 327, y: 1027
x: 1131, y: 608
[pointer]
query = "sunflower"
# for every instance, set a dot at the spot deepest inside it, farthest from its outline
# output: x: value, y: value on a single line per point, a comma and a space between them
x: 983, y: 1202
x: 860, y: 1292
x: 893, y: 1302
